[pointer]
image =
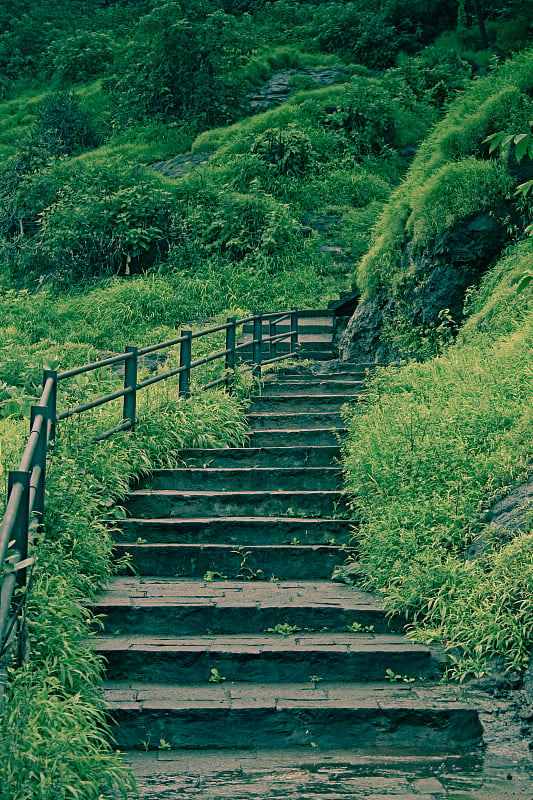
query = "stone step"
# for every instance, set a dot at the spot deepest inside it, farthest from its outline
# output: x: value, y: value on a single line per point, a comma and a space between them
x: 309, y: 456
x: 245, y: 478
x: 252, y: 562
x: 318, y: 324
x: 300, y: 403
x: 236, y: 530
x: 293, y: 774
x: 178, y: 607
x: 312, y: 386
x: 225, y: 715
x: 298, y: 437
x: 306, y: 342
x: 264, y: 658
x: 294, y: 420
x: 312, y: 375
x: 146, y: 504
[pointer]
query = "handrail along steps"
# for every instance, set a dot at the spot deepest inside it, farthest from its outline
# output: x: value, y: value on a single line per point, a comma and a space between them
x: 26, y: 485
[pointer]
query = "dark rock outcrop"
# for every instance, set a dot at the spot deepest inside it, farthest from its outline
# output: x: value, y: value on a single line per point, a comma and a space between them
x: 277, y: 89
x: 434, y: 278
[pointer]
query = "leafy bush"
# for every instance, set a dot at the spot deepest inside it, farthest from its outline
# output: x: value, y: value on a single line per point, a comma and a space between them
x: 62, y: 127
x: 286, y: 151
x: 82, y: 57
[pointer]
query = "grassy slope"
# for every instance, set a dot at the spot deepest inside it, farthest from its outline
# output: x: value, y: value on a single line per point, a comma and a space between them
x: 442, y: 440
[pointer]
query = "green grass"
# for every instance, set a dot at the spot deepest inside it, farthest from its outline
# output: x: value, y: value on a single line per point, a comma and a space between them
x: 439, y: 443
x: 449, y: 180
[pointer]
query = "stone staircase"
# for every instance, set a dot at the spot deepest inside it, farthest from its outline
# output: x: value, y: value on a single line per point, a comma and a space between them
x: 232, y: 635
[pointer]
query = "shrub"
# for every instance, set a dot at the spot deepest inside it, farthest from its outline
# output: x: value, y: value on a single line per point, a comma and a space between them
x: 82, y: 57
x: 285, y: 151
x: 62, y: 127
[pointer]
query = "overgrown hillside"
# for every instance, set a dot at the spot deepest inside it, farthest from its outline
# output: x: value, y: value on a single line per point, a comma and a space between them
x: 448, y: 279
x: 99, y: 251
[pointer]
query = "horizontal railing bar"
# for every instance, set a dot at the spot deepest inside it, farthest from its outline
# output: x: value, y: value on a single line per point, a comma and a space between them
x: 157, y: 378
x: 34, y: 486
x: 244, y: 320
x: 278, y: 358
x: 247, y: 343
x: 215, y: 383
x: 106, y: 362
x: 153, y: 347
x: 278, y: 337
x: 224, y: 326
x: 10, y: 517
x: 207, y: 359
x: 94, y: 404
x: 124, y: 426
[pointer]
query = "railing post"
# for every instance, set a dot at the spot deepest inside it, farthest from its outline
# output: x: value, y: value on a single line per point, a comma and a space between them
x: 185, y: 362
x: 130, y: 382
x: 294, y: 331
x: 21, y: 523
x: 40, y: 457
x: 52, y: 403
x: 231, y: 336
x: 257, y: 348
x: 273, y: 346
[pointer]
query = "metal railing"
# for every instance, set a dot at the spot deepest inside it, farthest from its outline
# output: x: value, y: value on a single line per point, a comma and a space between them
x: 26, y: 485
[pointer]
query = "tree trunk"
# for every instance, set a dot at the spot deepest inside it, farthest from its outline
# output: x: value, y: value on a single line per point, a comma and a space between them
x: 481, y: 24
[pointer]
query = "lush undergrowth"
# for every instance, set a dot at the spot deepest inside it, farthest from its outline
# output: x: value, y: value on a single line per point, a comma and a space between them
x: 54, y: 734
x: 439, y: 443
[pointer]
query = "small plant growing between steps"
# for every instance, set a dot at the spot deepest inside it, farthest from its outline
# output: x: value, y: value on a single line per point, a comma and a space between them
x: 215, y: 676
x: 284, y: 629
x: 245, y: 571
x: 392, y: 676
x: 211, y: 575
x: 315, y: 679
x: 356, y: 627
x: 164, y: 745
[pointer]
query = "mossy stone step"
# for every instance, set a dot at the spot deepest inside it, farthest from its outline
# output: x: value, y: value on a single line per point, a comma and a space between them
x: 232, y: 715
x: 324, y: 436
x: 255, y: 562
x: 245, y: 478
x: 236, y: 530
x: 181, y: 607
x: 146, y: 504
x: 298, y: 420
x: 314, y: 386
x: 282, y: 404
x: 306, y: 456
x: 265, y: 657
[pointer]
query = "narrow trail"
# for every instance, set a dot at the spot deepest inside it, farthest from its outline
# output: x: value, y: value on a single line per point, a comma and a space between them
x: 236, y: 667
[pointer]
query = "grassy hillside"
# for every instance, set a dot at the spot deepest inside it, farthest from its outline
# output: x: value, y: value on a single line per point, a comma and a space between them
x: 98, y: 251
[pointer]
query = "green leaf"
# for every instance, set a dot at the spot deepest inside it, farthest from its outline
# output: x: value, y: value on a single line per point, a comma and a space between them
x: 522, y: 142
x: 524, y: 282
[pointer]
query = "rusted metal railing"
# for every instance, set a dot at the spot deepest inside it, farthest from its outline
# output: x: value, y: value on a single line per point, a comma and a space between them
x: 26, y: 485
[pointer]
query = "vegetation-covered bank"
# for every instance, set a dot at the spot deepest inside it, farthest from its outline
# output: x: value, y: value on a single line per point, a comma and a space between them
x: 439, y: 443
x: 54, y: 740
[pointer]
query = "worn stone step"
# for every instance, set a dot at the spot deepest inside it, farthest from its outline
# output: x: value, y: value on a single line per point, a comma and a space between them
x: 294, y: 420
x: 318, y: 324
x: 295, y: 774
x: 306, y: 456
x: 236, y: 530
x: 178, y: 607
x: 245, y: 478
x: 146, y: 504
x: 253, y: 562
x: 306, y: 342
x: 298, y: 437
x: 300, y: 403
x: 311, y: 375
x: 225, y: 715
x: 265, y: 657
x: 312, y: 386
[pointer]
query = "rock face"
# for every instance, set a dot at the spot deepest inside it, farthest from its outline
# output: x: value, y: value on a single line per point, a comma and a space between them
x: 277, y: 88
x: 434, y: 278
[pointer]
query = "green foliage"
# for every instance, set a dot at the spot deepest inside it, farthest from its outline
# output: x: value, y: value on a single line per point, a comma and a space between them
x: 81, y: 57
x: 285, y: 151
x: 451, y: 172
x: 62, y: 127
x: 456, y: 191
x: 439, y: 442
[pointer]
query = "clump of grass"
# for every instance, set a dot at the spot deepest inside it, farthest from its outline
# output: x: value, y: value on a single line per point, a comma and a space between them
x: 439, y: 442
